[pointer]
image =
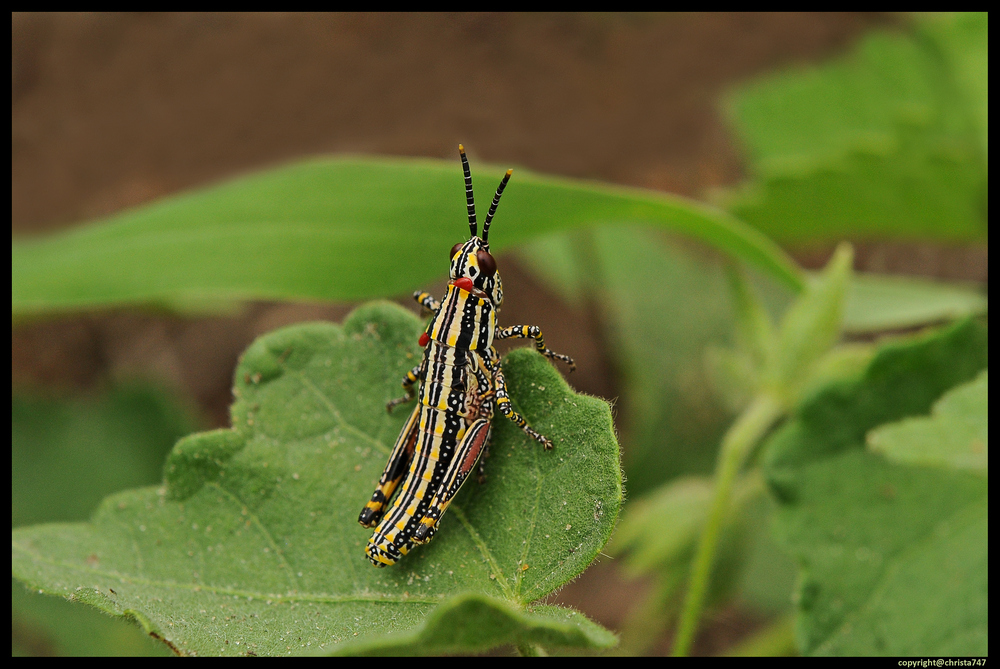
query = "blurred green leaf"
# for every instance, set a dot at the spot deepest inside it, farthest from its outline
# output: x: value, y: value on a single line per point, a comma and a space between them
x: 659, y: 530
x: 656, y: 539
x: 864, y: 529
x: 874, y: 145
x: 66, y: 455
x: 734, y: 376
x: 253, y: 545
x: 963, y: 38
x: 665, y: 309
x: 809, y: 329
x: 843, y: 361
x: 877, y: 302
x: 767, y: 574
x: 955, y: 435
x: 332, y: 229
x: 754, y: 329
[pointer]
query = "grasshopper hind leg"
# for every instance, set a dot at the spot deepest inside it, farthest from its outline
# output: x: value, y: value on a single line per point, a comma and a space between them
x: 395, y: 469
x: 466, y: 455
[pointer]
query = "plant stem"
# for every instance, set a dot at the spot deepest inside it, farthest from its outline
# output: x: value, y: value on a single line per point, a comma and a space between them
x: 739, y: 441
x: 526, y: 649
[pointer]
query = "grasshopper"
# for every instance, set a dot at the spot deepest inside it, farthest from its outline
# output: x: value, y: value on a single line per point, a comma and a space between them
x: 461, y: 384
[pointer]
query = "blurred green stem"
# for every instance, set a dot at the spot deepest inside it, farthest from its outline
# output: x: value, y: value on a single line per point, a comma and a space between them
x: 739, y: 441
x: 531, y: 650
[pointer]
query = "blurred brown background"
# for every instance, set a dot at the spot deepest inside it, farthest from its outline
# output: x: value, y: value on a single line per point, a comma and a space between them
x: 110, y: 111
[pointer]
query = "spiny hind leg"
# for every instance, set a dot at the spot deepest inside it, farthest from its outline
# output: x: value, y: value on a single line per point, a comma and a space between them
x: 467, y: 453
x: 395, y: 469
x: 505, y: 407
x: 533, y: 332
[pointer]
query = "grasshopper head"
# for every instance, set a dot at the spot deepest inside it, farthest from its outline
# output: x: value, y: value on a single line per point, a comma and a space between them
x: 474, y: 269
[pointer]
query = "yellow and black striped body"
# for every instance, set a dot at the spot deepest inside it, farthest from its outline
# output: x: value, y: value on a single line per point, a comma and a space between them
x: 461, y: 383
x: 449, y: 402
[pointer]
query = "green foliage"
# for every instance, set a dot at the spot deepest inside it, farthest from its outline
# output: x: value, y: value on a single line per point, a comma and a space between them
x: 663, y: 314
x: 808, y: 330
x: 876, y: 302
x: 253, y: 543
x: 887, y: 141
x: 66, y: 455
x: 955, y: 435
x: 865, y: 529
x: 659, y: 306
x: 333, y: 229
x: 962, y: 39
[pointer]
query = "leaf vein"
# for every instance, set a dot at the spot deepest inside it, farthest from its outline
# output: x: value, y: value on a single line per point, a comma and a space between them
x: 484, y: 549
x: 339, y: 418
x: 267, y: 533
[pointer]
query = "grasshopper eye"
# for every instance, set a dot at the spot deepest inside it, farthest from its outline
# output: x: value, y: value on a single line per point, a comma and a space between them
x: 486, y: 262
x: 455, y: 249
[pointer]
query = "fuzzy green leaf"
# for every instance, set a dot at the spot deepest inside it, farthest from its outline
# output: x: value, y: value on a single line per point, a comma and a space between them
x: 956, y: 434
x: 865, y: 530
x: 332, y: 229
x: 253, y: 543
x: 873, y: 145
x: 471, y: 622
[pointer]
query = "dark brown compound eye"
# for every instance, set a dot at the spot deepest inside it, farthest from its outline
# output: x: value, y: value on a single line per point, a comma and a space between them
x: 486, y: 262
x: 455, y: 249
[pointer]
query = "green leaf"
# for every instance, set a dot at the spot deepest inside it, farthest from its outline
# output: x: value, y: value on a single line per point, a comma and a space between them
x: 333, y: 229
x: 864, y: 529
x: 877, y: 302
x: 253, y: 544
x: 873, y: 145
x: 470, y: 622
x: 955, y: 435
x: 658, y: 531
x: 663, y: 308
x: 809, y: 329
x: 66, y: 455
x: 754, y: 329
x: 963, y: 38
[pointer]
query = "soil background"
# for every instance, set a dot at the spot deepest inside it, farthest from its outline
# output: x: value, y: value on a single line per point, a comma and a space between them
x: 109, y: 111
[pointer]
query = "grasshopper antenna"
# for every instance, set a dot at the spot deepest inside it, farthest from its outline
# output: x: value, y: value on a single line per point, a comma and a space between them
x: 470, y: 200
x: 493, y: 207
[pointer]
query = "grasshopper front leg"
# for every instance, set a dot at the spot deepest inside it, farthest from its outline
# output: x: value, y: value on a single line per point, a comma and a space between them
x: 505, y: 407
x: 533, y: 332
x: 426, y: 300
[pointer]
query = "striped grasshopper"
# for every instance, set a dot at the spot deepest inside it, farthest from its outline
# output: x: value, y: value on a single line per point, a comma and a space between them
x: 461, y: 384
